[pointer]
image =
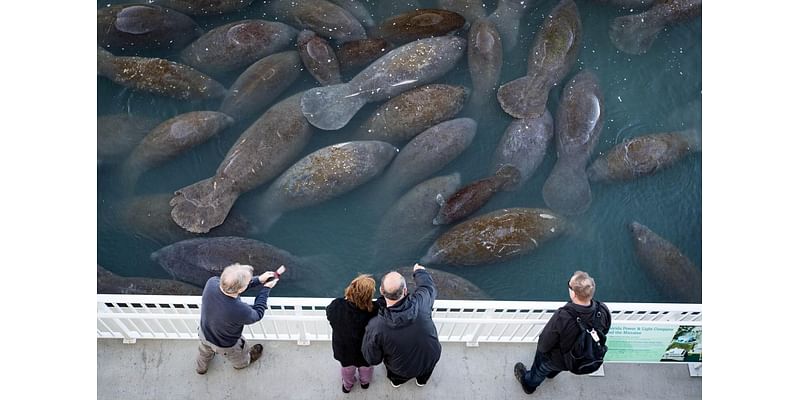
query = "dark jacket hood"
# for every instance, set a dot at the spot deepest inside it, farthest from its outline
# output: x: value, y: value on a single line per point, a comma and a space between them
x: 403, y: 313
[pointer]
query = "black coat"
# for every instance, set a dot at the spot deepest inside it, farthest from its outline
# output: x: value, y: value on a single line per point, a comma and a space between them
x: 348, y: 323
x: 403, y: 336
x: 562, y: 330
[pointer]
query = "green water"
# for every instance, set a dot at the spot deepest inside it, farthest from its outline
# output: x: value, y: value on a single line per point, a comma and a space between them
x: 656, y: 92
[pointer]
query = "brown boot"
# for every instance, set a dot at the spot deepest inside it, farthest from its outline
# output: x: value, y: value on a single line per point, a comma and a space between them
x: 255, y: 352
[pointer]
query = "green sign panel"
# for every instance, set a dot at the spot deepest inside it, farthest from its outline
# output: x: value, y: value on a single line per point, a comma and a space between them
x: 648, y: 343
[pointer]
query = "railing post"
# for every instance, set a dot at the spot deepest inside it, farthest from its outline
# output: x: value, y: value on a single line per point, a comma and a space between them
x: 302, y: 338
x: 127, y: 338
x: 695, y: 369
x: 474, y: 341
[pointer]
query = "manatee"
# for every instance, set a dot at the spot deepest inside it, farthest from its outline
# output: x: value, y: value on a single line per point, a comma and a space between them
x: 132, y: 27
x: 410, y: 113
x: 262, y: 152
x: 485, y: 58
x: 236, y: 45
x: 471, y: 10
x: 635, y: 33
x: 323, y: 175
x: 506, y: 18
x: 426, y: 154
x: 643, y: 155
x: 196, y: 260
x: 672, y: 272
x: 495, y: 237
x: 358, y: 10
x: 111, y: 283
x: 523, y: 146
x: 149, y: 216
x: 158, y: 76
x: 448, y: 286
x: 204, y: 7
x: 417, y: 24
x: 552, y: 54
x: 629, y: 4
x: 404, y: 68
x: 405, y: 229
x: 578, y: 124
x: 319, y: 58
x: 360, y: 53
x: 170, y: 139
x: 260, y: 84
x: 118, y: 135
x: 470, y: 198
x: 323, y: 17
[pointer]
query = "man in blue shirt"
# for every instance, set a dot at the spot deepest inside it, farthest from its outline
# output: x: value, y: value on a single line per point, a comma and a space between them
x: 223, y: 315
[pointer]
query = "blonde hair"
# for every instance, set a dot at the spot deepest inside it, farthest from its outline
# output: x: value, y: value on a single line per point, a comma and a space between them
x: 583, y: 285
x: 235, y: 278
x: 360, y: 292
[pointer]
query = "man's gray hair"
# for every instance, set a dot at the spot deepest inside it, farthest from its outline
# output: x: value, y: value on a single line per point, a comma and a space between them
x: 235, y: 278
x: 583, y: 285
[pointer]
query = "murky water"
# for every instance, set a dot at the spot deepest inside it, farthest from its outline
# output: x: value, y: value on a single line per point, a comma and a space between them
x: 659, y: 91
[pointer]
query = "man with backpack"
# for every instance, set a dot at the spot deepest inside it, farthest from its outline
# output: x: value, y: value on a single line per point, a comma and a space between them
x: 574, y: 338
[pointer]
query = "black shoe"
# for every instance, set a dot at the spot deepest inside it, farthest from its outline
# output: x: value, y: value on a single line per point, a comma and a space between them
x: 345, y: 390
x: 365, y: 385
x: 255, y: 352
x: 519, y: 373
x: 418, y: 383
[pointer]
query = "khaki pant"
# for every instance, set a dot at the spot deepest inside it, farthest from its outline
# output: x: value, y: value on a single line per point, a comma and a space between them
x: 238, y: 354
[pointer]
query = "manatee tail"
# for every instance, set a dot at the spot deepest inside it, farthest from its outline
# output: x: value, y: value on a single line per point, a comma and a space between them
x: 203, y: 205
x: 635, y: 33
x: 524, y: 97
x: 331, y: 107
x: 567, y: 189
x: 694, y: 138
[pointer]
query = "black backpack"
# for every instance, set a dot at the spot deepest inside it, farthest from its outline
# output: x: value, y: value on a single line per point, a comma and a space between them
x: 586, y: 354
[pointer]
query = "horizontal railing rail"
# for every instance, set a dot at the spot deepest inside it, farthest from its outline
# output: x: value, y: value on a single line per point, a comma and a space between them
x: 132, y: 317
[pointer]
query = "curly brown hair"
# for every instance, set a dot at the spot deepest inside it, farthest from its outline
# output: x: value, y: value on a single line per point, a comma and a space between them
x: 360, y: 292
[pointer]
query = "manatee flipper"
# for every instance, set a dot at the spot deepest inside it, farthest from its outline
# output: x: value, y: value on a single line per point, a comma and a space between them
x: 567, y: 188
x: 635, y: 33
x: 331, y: 107
x: 104, y: 66
x: 524, y: 97
x: 509, y: 176
x: 203, y: 205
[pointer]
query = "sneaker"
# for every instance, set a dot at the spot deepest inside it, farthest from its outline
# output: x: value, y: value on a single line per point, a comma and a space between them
x: 365, y: 385
x: 201, y: 372
x: 419, y: 384
x: 519, y: 373
x: 255, y: 352
x: 394, y: 385
x: 345, y: 390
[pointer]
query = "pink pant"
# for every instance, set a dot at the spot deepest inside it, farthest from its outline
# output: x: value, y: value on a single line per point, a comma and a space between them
x: 349, y: 376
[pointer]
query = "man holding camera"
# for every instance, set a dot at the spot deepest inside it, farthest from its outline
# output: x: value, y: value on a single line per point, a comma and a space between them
x: 223, y: 315
x: 403, y: 335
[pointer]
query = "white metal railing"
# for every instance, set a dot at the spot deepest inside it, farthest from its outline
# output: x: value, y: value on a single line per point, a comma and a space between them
x: 132, y: 317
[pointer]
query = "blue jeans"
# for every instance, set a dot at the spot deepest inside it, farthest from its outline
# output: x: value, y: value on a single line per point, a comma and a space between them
x: 542, y: 368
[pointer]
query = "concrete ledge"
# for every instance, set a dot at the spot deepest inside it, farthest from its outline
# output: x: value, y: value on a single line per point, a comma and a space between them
x: 164, y: 369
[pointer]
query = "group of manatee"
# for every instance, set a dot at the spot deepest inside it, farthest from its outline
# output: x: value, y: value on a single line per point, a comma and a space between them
x: 419, y: 127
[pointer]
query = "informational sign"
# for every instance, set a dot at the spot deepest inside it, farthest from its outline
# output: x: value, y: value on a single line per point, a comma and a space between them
x: 653, y: 343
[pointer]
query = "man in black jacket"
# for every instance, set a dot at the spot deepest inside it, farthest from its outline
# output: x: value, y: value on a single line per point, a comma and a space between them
x: 403, y: 335
x: 561, y: 331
